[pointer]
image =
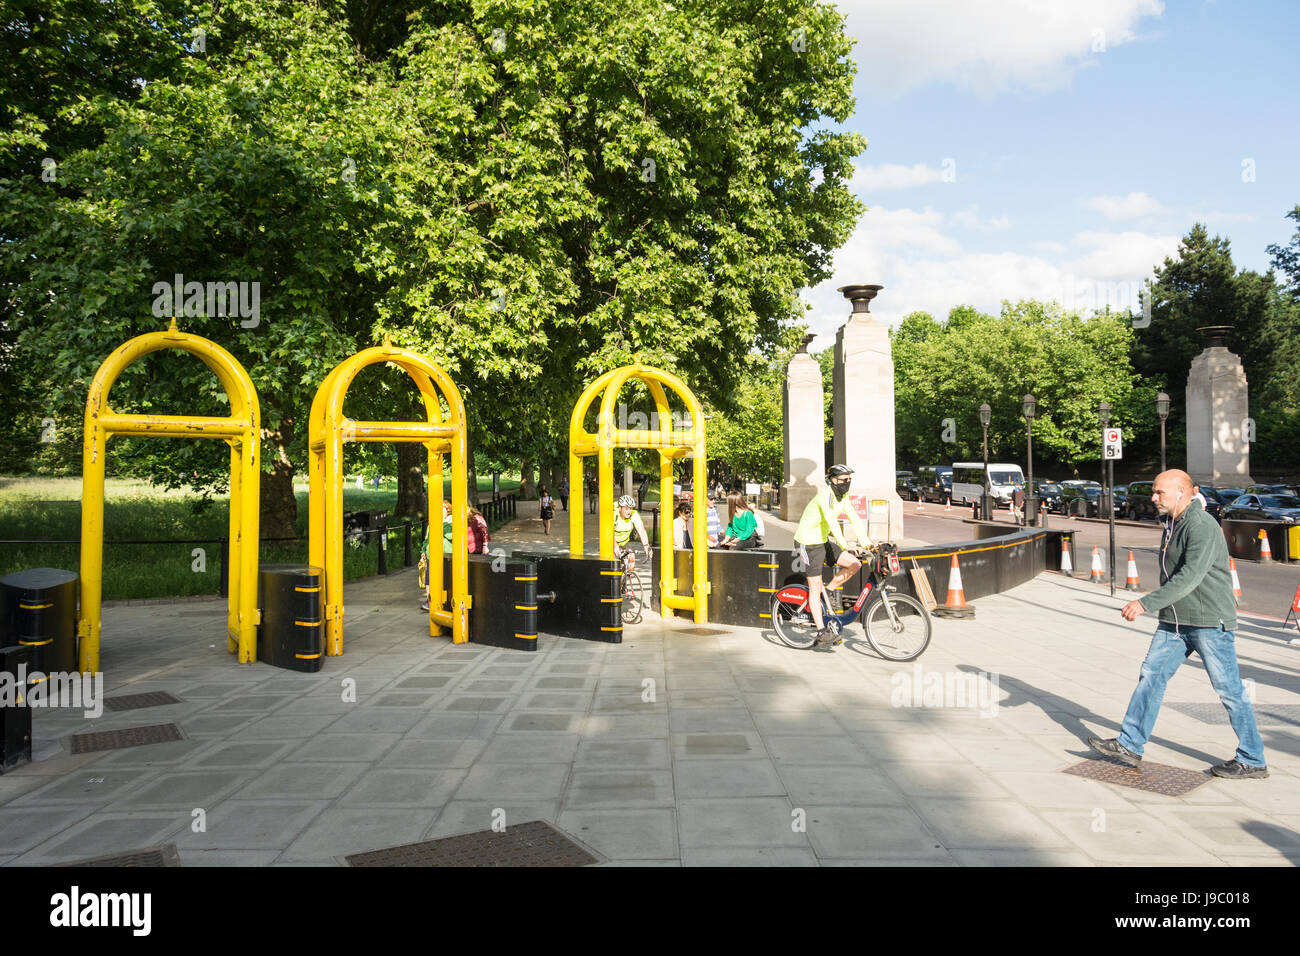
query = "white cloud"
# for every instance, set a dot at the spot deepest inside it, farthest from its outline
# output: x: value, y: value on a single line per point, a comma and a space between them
x: 893, y: 176
x: 986, y: 45
x: 969, y: 219
x: 923, y: 268
x: 1132, y: 206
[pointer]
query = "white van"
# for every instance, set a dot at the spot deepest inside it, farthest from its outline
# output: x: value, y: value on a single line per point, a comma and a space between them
x: 968, y: 481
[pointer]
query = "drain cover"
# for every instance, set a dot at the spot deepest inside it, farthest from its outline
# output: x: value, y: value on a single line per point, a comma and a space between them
x: 129, y: 737
x: 701, y: 631
x: 154, y: 698
x: 154, y: 856
x: 1152, y: 777
x: 1216, y: 713
x: 528, y: 844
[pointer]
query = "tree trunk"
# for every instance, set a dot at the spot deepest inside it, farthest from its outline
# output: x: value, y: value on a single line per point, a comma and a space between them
x: 471, y: 473
x: 527, y: 490
x: 411, y: 500
x: 279, y: 508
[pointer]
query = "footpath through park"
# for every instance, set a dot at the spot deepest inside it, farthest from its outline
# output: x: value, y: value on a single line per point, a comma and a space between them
x: 682, y: 745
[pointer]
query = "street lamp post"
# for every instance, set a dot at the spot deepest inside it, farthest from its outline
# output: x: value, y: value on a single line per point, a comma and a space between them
x: 986, y: 502
x: 1162, y: 409
x: 1029, y: 405
x: 1108, y: 488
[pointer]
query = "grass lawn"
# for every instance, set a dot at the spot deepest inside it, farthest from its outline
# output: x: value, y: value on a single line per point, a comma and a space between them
x: 50, y: 508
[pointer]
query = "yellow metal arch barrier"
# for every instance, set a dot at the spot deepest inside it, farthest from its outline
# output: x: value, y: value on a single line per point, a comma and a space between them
x: 241, y: 431
x: 671, y: 444
x: 328, y: 431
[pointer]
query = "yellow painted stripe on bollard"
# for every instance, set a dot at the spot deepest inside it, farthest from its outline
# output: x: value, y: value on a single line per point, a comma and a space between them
x: 614, y: 574
x: 769, y: 565
x: 772, y: 590
x: 527, y: 637
x: 34, y: 607
x: 611, y: 628
x: 307, y: 657
x: 525, y: 607
x: 617, y: 600
x: 48, y: 640
x: 533, y: 578
x: 308, y: 590
x: 307, y: 623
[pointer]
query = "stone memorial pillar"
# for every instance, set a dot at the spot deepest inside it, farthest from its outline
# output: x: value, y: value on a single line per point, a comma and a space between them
x: 864, y: 413
x: 802, y: 412
x: 1219, y: 430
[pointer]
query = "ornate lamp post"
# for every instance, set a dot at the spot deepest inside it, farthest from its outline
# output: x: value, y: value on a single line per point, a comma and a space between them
x: 1162, y: 409
x: 986, y: 500
x: 1029, y: 405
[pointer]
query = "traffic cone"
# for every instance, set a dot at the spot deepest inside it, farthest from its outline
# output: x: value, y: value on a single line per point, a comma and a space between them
x: 956, y: 606
x: 920, y: 503
x: 948, y: 506
x: 1265, y: 552
x: 1097, y: 574
x: 1067, y: 566
x: 1236, y: 582
x: 1132, y: 583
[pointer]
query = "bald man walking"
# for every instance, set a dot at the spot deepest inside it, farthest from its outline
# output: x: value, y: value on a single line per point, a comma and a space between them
x: 1197, y: 613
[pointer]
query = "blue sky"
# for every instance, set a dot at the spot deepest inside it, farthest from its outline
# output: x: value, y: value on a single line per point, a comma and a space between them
x: 1057, y: 149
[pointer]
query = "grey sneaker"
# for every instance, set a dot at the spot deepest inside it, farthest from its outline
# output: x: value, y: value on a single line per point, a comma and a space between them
x: 1239, y: 771
x: 1113, y: 748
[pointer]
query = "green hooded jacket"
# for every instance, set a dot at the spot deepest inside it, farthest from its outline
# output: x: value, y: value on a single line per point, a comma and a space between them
x: 1195, y: 584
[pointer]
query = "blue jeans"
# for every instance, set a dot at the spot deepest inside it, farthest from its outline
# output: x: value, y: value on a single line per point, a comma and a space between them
x: 1169, y: 648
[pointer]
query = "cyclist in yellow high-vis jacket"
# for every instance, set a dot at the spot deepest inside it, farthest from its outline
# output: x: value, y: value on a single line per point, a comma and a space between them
x: 820, y: 541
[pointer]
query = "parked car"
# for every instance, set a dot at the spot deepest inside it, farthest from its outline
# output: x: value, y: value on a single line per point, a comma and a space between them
x: 908, y: 485
x: 1137, y: 502
x: 1120, y: 499
x: 1081, y: 499
x: 1250, y: 507
x: 1049, y: 495
x: 1272, y: 490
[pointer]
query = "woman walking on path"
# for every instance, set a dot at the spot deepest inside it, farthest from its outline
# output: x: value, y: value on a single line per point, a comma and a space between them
x: 548, y: 508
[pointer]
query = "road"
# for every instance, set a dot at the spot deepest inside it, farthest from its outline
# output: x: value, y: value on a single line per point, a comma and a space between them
x: 1267, y: 589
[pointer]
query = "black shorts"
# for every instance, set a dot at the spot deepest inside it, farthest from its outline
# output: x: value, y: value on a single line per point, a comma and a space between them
x: 826, y: 553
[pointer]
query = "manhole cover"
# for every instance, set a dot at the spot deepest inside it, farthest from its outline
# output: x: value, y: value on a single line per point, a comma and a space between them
x: 154, y: 856
x: 1216, y: 713
x: 701, y: 631
x: 1152, y: 777
x: 129, y: 737
x: 154, y: 698
x: 528, y: 844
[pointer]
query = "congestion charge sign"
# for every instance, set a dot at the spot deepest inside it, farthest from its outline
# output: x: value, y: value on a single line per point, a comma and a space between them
x: 1113, y: 439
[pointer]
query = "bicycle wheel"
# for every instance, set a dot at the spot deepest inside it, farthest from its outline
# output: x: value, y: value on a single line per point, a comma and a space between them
x: 634, y: 595
x: 793, y: 625
x: 903, y: 641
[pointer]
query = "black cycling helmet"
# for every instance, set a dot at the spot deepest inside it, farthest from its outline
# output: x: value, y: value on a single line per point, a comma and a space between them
x: 838, y: 488
x: 834, y: 471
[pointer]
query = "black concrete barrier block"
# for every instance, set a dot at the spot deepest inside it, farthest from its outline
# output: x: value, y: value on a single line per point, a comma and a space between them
x: 587, y: 603
x: 1243, y: 539
x: 503, y: 601
x: 742, y: 583
x: 38, y: 609
x: 16, y: 717
x: 291, y: 633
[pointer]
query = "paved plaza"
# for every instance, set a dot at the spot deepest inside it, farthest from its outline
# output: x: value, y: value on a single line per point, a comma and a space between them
x: 679, y: 746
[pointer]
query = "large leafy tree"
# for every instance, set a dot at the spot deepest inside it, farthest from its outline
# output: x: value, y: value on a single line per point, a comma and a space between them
x: 528, y: 192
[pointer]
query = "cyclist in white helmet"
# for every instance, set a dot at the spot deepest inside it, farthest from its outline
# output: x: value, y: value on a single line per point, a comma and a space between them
x: 626, y: 519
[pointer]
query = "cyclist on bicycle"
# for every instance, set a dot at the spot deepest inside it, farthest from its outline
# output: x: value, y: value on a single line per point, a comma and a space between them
x: 626, y: 520
x: 820, y: 541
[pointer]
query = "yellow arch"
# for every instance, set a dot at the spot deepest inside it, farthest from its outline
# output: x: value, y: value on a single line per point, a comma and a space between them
x: 671, y: 444
x: 328, y: 430
x: 241, y: 431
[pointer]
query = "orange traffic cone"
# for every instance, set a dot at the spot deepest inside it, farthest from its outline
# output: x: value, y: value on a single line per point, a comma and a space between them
x: 920, y: 503
x: 1067, y: 566
x: 956, y: 606
x: 1132, y: 583
x: 1265, y: 552
x: 1097, y: 574
x: 1236, y: 581
x: 948, y: 506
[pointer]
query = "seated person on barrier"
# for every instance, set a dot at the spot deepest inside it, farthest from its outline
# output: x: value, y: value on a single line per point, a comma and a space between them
x: 682, y: 526
x: 760, y: 532
x: 626, y: 520
x: 819, y: 540
x: 742, y: 528
x: 712, y: 523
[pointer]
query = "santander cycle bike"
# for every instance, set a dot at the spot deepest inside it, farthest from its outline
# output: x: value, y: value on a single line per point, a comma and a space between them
x: 897, y: 625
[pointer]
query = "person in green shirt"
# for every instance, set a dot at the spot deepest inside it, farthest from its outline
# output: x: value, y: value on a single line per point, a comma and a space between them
x: 819, y: 541
x: 742, y: 527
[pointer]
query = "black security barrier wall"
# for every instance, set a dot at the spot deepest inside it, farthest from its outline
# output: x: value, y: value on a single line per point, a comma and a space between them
x: 587, y: 603
x: 291, y: 633
x: 38, y: 609
x: 1243, y: 539
x: 741, y: 583
x: 15, y: 719
x: 988, y: 566
x: 503, y: 601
